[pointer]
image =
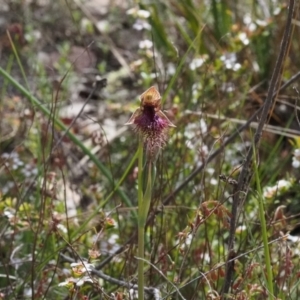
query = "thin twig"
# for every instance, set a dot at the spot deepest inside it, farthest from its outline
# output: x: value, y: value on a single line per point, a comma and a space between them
x: 246, y: 172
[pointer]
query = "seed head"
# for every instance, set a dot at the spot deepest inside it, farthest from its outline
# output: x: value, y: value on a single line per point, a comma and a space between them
x: 151, y: 122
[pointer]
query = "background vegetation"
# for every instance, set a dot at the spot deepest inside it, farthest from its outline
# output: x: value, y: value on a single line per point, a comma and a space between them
x: 70, y: 77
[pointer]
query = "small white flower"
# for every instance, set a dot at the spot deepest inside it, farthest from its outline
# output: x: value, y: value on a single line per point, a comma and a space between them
x: 62, y: 228
x: 133, y: 294
x: 236, y: 67
x: 144, y: 14
x: 141, y: 16
x: 82, y: 267
x: 243, y: 38
x: 261, y: 23
x: 140, y: 13
x: 197, y: 62
x: 241, y: 228
x: 295, y: 163
x: 83, y: 280
x: 9, y: 213
x: 213, y: 181
x: 296, y: 158
x: 69, y: 282
x: 64, y: 283
x: 141, y: 24
x: 132, y: 11
x: 145, y: 44
x: 281, y: 185
x: 247, y: 19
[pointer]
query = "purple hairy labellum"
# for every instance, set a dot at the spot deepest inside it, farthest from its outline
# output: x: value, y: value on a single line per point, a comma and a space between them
x: 151, y: 122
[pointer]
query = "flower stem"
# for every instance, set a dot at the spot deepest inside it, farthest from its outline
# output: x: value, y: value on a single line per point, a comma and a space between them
x: 143, y: 209
x: 141, y: 243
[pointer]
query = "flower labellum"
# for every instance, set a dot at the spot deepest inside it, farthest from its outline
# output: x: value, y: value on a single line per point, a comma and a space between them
x: 151, y: 122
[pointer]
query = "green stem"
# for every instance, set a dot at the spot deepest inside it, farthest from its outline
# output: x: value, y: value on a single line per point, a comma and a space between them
x: 143, y: 212
x: 264, y: 230
x: 144, y: 205
x: 141, y: 251
x: 141, y: 232
x: 140, y: 172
